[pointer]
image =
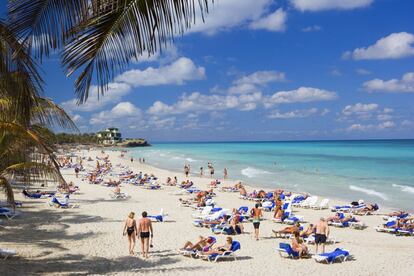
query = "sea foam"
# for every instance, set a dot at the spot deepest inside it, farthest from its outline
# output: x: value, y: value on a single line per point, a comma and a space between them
x: 403, y: 188
x: 251, y: 172
x: 368, y: 191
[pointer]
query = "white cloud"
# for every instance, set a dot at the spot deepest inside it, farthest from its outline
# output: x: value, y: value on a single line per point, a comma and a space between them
x: 227, y: 14
x: 298, y: 113
x: 384, y: 117
x: 336, y: 73
x: 300, y: 95
x: 121, y: 114
x: 393, y: 46
x: 363, y: 72
x: 405, y: 84
x: 312, y: 28
x: 360, y: 110
x: 76, y: 118
x: 407, y: 124
x: 320, y: 5
x: 386, y: 125
x: 261, y: 78
x: 114, y: 94
x: 371, y: 127
x: 274, y: 22
x: 365, y: 112
x: 197, y: 102
x: 178, y: 72
x: 249, y: 83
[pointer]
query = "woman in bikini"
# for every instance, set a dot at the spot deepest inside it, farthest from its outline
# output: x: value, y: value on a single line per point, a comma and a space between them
x: 130, y: 228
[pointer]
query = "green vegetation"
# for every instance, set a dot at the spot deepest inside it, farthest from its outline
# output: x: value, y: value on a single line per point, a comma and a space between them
x: 69, y: 138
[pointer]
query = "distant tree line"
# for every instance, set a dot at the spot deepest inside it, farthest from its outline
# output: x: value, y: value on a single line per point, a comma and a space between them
x: 70, y: 138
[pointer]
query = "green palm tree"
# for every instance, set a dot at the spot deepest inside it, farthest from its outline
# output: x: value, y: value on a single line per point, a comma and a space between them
x: 98, y: 38
x: 26, y: 152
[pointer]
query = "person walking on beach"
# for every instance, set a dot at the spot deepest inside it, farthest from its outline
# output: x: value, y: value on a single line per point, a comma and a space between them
x: 201, y: 171
x: 211, y: 171
x: 132, y: 159
x: 77, y: 171
x: 225, y: 173
x: 130, y: 228
x: 186, y: 170
x: 145, y: 232
x: 256, y: 213
x: 321, y: 234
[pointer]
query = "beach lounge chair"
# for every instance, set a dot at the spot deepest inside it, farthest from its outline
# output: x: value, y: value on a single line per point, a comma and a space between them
x: 330, y: 257
x: 268, y: 205
x: 323, y: 205
x: 286, y: 251
x: 158, y: 218
x: 225, y: 255
x: 55, y: 202
x: 386, y: 228
x: 32, y: 196
x: 119, y: 195
x: 8, y: 213
x: 204, y: 212
x: 6, y: 253
x: 311, y: 240
x: 292, y: 219
x: 312, y: 201
x: 192, y: 252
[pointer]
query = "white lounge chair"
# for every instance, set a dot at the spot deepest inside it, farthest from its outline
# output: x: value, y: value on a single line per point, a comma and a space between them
x: 323, y: 205
x: 6, y: 253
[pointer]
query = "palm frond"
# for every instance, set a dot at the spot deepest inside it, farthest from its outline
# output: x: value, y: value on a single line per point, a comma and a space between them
x: 8, y: 190
x: 33, y: 170
x: 42, y: 24
x: 119, y: 31
x: 49, y: 114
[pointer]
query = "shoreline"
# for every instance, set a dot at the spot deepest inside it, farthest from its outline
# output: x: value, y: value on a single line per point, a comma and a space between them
x: 251, y: 187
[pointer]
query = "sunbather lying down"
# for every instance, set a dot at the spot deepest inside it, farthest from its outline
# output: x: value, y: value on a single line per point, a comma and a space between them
x: 288, y: 230
x: 204, y: 243
x: 221, y: 248
x: 368, y: 209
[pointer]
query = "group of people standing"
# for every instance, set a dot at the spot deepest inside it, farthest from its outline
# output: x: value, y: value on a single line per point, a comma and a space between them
x: 210, y: 168
x: 144, y: 231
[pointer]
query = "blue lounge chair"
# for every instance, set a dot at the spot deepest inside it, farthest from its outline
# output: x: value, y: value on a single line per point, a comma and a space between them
x: 285, y: 250
x: 225, y: 255
x: 193, y: 252
x: 330, y: 257
x: 8, y: 213
x: 158, y: 218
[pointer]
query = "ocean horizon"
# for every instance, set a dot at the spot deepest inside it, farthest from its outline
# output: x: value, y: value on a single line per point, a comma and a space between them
x: 374, y: 170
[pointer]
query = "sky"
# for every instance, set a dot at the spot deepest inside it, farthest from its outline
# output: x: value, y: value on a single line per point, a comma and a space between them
x: 265, y: 70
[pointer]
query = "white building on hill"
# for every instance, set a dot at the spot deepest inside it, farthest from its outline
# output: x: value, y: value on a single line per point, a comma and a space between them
x: 109, y: 136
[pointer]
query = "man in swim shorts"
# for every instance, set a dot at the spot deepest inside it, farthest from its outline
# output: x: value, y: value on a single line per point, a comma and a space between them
x: 145, y: 232
x: 321, y: 234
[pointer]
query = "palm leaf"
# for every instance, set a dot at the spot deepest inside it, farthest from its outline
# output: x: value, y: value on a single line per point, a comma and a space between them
x: 42, y: 24
x: 49, y: 114
x: 103, y: 45
x: 32, y: 169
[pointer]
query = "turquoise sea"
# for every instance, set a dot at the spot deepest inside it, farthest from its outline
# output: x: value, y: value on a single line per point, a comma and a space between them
x: 379, y: 171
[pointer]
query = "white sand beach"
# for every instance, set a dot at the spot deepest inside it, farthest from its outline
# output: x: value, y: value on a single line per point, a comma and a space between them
x: 88, y: 240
